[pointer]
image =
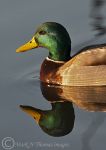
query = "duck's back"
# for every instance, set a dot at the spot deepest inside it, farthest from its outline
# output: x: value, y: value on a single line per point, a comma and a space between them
x: 88, y: 68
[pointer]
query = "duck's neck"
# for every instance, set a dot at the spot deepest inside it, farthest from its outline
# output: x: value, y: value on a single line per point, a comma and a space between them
x: 60, y: 52
x: 57, y: 106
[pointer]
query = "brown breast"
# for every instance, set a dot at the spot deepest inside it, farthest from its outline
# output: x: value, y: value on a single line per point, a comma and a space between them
x: 48, y: 72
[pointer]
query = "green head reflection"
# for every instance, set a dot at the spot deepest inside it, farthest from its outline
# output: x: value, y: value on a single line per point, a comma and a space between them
x: 58, y: 121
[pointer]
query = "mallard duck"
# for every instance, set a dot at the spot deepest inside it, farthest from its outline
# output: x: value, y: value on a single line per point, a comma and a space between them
x: 87, y: 68
x: 54, y: 122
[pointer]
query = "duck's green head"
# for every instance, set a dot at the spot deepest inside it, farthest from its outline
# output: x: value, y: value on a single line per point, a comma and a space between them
x: 54, y: 122
x: 52, y: 36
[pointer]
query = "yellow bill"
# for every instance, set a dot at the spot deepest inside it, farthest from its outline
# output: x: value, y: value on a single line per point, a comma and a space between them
x: 33, y: 112
x: 28, y: 46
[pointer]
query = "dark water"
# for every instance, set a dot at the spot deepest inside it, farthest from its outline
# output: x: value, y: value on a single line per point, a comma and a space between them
x: 19, y: 73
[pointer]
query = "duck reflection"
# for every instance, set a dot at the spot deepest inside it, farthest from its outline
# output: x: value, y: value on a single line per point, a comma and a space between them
x: 59, y: 121
x: 86, y: 97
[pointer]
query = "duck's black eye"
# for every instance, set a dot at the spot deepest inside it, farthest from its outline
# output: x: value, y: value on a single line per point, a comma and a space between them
x: 42, y: 32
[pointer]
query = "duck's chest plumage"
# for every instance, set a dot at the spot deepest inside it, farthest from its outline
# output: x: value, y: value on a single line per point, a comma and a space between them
x: 49, y: 71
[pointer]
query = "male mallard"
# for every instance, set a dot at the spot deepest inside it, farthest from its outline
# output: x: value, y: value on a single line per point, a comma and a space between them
x: 58, y: 121
x: 87, y: 68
